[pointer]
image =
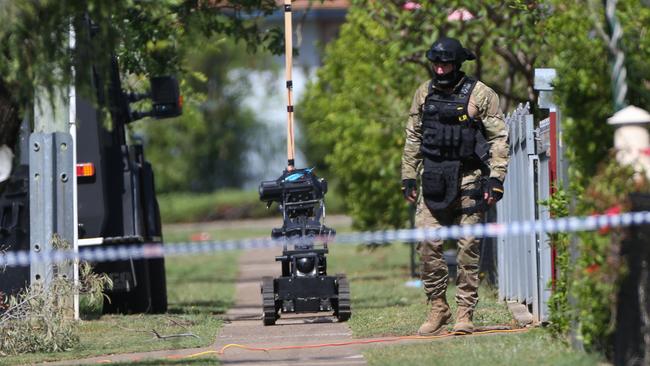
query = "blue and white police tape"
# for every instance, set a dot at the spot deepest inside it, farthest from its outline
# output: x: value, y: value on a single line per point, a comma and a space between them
x: 156, y: 250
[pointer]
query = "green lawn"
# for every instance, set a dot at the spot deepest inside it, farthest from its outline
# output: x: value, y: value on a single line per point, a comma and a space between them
x: 383, y: 306
x: 218, y: 205
x: 226, y: 204
x: 185, y: 234
x: 200, y: 288
x: 535, y: 347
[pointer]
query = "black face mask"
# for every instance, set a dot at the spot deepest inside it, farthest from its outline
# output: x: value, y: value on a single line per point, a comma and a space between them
x: 449, y: 79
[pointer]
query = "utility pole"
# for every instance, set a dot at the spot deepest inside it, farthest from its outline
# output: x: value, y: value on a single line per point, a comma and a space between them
x: 51, y: 180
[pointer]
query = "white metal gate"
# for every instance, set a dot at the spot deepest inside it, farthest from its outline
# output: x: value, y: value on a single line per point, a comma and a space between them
x: 525, y: 264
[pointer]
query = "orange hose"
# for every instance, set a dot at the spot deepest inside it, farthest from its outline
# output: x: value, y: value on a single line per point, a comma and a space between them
x: 353, y: 342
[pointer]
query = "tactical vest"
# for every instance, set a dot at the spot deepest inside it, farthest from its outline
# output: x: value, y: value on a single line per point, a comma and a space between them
x: 449, y: 141
x: 448, y: 133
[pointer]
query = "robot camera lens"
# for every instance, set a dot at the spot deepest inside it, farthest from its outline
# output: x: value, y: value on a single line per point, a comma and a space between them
x: 305, y: 265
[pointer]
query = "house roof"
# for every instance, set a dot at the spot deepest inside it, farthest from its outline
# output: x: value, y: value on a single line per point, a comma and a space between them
x: 316, y: 4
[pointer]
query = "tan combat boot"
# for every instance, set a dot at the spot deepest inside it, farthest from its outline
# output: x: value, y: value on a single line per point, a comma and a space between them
x: 438, y: 317
x: 464, y: 323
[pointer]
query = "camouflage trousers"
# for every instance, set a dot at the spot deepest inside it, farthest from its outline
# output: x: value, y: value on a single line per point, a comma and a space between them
x: 433, y: 267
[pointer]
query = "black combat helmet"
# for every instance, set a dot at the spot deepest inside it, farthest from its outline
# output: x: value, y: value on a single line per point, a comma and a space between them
x: 449, y: 50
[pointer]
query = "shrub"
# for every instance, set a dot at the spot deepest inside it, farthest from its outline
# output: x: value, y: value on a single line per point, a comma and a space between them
x: 560, y: 311
x: 594, y: 277
x: 40, y: 319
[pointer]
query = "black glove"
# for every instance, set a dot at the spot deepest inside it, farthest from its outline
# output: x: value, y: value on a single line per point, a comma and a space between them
x: 408, y: 186
x: 494, y: 189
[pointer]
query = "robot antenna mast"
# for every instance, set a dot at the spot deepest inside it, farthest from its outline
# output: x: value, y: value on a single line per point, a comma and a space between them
x: 288, y: 50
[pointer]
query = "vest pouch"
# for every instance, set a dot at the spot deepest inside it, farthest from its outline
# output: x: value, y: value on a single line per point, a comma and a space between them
x: 457, y: 135
x: 440, y: 183
x: 468, y: 141
x: 432, y: 153
x: 431, y: 136
x: 449, y: 136
x: 433, y: 184
x: 431, y: 141
x: 437, y: 135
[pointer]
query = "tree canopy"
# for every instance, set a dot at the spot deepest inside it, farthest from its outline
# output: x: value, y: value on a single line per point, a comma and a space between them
x: 149, y: 37
x: 356, y: 111
x: 577, y: 33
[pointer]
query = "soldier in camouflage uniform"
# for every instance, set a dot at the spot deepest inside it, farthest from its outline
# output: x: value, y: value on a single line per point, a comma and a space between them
x: 457, y: 142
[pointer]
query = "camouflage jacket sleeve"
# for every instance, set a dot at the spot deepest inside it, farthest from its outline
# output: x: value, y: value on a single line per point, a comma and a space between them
x: 412, y: 157
x: 496, y: 131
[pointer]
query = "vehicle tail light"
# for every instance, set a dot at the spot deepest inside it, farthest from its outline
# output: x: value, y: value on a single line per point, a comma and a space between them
x: 85, y: 170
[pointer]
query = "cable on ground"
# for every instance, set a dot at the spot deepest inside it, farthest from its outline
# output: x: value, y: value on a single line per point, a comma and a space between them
x: 223, y: 349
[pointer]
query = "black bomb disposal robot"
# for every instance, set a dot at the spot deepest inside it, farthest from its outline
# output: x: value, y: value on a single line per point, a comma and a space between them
x: 304, y: 286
